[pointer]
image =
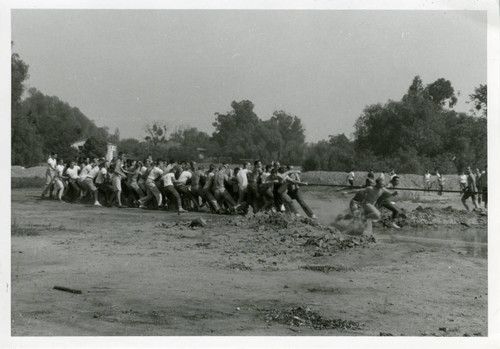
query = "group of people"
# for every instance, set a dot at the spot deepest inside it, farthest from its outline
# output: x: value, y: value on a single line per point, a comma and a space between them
x: 181, y: 186
x: 474, y: 185
x: 375, y: 194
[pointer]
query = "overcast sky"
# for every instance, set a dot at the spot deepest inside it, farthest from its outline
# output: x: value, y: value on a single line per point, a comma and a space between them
x: 127, y: 68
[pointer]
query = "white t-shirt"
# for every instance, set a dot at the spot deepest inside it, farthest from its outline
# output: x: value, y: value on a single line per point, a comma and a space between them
x: 185, y: 175
x: 427, y: 177
x: 155, y: 172
x: 142, y: 171
x: 60, y: 170
x: 93, y: 172
x: 242, y: 178
x: 463, y: 179
x: 51, y: 163
x: 85, y: 171
x: 101, y: 175
x: 168, y: 179
x: 264, y: 176
x: 73, y: 172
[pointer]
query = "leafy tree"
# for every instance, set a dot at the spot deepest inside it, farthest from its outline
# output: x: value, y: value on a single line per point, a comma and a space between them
x: 185, y: 143
x: 58, y: 124
x: 25, y: 140
x: 134, y: 148
x: 19, y: 73
x: 420, y: 132
x: 95, y: 146
x: 441, y: 92
x: 291, y: 138
x: 156, y: 134
x: 237, y: 132
x: 480, y: 99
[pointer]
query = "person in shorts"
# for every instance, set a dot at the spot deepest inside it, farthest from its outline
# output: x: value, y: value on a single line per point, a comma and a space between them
x: 50, y: 173
x: 470, y: 190
x: 116, y: 179
x: 350, y: 178
x: 385, y: 201
x: 427, y: 182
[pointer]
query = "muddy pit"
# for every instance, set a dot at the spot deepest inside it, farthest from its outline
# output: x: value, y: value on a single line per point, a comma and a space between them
x: 153, y: 273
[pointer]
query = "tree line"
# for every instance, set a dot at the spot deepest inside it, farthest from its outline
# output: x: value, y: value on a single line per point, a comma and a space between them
x: 419, y: 132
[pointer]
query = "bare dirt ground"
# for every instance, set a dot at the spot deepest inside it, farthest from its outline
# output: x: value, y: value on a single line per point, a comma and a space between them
x: 149, y: 273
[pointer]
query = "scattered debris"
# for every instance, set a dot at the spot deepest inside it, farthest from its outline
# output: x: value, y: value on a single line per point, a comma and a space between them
x: 326, y: 290
x: 198, y: 222
x: 302, y: 316
x: 326, y: 268
x: 66, y: 289
x: 385, y: 334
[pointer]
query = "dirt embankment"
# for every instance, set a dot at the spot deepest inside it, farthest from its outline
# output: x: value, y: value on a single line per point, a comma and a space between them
x: 432, y: 216
x: 406, y: 180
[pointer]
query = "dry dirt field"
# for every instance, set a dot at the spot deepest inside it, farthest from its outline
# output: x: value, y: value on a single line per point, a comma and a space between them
x: 148, y: 273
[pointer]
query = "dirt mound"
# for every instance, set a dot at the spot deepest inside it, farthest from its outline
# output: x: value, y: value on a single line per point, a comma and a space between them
x: 277, y: 221
x: 425, y: 216
x: 303, y: 316
x: 279, y: 233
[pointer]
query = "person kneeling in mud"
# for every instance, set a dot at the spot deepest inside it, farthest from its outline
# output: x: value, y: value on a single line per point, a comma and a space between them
x: 370, y: 195
x: 385, y: 201
x: 355, y: 203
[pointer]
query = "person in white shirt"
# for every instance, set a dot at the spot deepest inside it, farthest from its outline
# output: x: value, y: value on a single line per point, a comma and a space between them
x: 58, y: 180
x: 152, y: 189
x: 86, y: 167
x: 207, y: 191
x: 242, y: 179
x: 141, y: 178
x: 103, y: 183
x: 427, y: 182
x: 181, y: 185
x: 350, y: 178
x: 89, y: 182
x: 440, y: 181
x: 169, y: 190
x: 72, y: 175
x: 50, y: 173
x: 116, y: 179
x: 462, y: 182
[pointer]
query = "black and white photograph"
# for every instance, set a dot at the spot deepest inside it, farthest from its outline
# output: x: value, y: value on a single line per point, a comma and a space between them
x: 249, y: 175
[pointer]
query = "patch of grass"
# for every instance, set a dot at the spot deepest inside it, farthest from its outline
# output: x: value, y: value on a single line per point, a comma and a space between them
x: 26, y: 182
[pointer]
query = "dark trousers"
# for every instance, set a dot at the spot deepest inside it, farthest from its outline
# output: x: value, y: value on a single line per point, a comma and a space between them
x: 172, y: 193
x: 183, y: 190
x: 296, y: 195
x: 391, y: 207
